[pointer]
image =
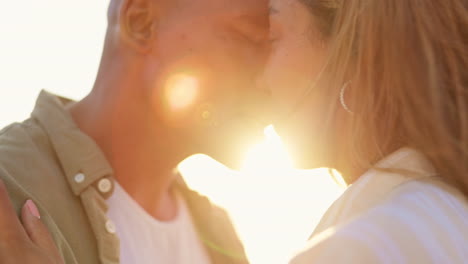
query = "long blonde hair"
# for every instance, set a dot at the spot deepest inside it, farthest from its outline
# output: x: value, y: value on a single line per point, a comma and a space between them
x: 408, y: 63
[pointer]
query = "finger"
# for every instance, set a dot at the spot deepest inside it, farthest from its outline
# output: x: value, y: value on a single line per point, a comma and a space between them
x: 36, y: 230
x: 10, y: 226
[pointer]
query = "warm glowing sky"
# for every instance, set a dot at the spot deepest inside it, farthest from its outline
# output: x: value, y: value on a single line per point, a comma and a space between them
x: 56, y: 44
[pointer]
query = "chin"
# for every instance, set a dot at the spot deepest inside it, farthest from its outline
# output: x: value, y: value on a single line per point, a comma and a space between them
x: 230, y: 150
x: 308, y: 153
x: 308, y: 143
x: 313, y: 161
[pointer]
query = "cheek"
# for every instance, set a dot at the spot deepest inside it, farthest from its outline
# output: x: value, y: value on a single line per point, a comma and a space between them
x: 289, y: 73
x: 224, y: 71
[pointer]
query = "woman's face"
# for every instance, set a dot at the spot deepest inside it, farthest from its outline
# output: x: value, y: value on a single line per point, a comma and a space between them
x: 297, y: 57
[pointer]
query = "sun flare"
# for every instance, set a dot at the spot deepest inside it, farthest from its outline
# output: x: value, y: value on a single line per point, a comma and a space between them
x: 181, y: 91
x: 269, y: 155
x: 274, y: 206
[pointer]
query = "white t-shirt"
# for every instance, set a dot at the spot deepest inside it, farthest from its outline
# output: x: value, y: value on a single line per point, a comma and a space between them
x: 143, y: 239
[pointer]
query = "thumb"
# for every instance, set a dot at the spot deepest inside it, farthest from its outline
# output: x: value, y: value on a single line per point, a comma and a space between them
x: 36, y: 230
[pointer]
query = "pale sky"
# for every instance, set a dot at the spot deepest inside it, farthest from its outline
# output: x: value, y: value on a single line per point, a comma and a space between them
x: 56, y: 45
x: 47, y: 44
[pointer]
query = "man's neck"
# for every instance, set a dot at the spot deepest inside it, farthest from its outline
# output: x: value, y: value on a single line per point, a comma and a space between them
x: 142, y: 158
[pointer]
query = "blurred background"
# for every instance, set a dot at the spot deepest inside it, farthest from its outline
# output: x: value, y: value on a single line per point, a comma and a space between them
x: 56, y: 45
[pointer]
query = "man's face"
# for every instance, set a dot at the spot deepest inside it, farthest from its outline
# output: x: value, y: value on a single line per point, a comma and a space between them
x: 205, y: 59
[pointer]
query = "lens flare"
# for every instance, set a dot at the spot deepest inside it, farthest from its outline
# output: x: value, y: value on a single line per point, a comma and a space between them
x: 274, y: 206
x: 269, y: 155
x: 181, y: 91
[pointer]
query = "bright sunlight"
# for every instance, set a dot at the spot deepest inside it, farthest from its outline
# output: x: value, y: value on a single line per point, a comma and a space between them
x: 274, y: 206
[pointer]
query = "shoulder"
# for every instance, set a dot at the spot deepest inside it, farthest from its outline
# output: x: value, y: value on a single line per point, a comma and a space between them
x: 21, y: 133
x: 16, y: 153
x: 28, y: 164
x: 22, y: 142
x: 420, y: 222
x: 24, y: 148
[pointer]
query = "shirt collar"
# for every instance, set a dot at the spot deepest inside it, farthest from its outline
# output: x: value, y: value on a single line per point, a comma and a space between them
x: 80, y: 157
x: 402, y: 166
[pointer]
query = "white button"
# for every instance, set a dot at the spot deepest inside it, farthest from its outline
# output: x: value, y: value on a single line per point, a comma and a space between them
x: 110, y: 227
x: 80, y: 177
x: 104, y: 185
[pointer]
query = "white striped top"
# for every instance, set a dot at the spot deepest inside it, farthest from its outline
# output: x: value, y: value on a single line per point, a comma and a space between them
x: 392, y: 218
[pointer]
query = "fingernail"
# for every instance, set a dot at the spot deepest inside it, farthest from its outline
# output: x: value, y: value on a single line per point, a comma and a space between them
x: 33, y: 209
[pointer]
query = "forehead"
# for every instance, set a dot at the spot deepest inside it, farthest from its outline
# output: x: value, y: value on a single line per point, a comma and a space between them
x: 225, y: 7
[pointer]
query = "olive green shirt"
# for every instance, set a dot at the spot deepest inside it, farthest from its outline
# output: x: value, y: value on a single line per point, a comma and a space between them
x: 49, y: 160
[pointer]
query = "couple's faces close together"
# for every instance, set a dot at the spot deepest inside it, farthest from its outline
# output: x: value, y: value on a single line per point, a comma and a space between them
x: 215, y: 70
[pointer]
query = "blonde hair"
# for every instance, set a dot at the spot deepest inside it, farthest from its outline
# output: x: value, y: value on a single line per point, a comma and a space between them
x: 408, y: 63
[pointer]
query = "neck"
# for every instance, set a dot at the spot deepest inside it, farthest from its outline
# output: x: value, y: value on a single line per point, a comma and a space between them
x: 134, y: 145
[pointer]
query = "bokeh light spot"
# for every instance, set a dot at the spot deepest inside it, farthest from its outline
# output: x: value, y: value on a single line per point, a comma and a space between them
x: 181, y: 91
x: 206, y: 115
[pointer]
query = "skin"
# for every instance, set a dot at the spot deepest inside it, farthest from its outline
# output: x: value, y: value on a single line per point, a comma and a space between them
x: 298, y: 53
x: 296, y: 59
x: 221, y: 45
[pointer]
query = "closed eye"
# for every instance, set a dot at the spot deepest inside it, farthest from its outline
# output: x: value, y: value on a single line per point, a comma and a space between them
x: 251, y: 29
x: 252, y: 36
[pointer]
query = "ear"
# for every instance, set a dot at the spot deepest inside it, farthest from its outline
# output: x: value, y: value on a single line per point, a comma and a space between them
x: 137, y: 23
